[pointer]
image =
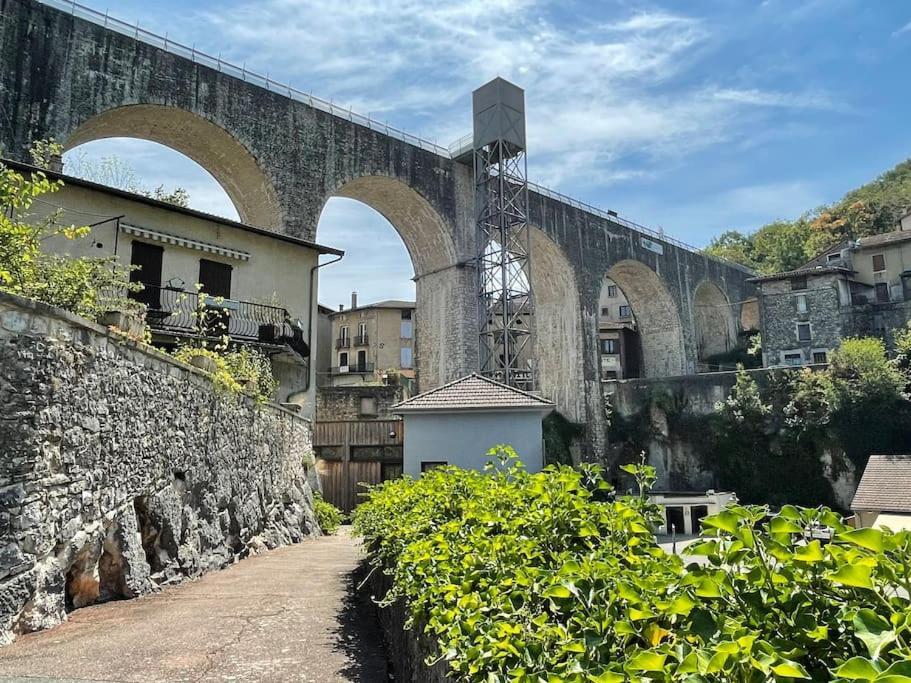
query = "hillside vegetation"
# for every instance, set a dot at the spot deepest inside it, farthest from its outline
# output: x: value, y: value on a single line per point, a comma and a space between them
x: 871, y: 209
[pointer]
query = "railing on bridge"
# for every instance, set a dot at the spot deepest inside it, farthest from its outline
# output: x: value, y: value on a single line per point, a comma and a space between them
x: 456, y: 149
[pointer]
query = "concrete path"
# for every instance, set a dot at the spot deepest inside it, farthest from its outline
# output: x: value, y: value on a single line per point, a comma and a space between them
x: 288, y: 615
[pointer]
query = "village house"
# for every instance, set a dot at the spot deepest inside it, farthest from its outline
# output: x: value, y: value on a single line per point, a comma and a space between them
x: 257, y: 286
x: 883, y: 497
x: 618, y: 338
x: 373, y: 343
x: 856, y: 288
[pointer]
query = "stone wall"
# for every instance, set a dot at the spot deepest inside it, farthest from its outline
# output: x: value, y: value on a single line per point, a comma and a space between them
x: 123, y: 470
x: 676, y: 456
x: 344, y: 403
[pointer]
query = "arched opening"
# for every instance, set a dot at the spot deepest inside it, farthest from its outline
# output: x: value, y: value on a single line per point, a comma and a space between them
x: 431, y: 339
x: 656, y: 318
x: 209, y: 145
x: 558, y: 327
x: 715, y: 328
x: 619, y: 344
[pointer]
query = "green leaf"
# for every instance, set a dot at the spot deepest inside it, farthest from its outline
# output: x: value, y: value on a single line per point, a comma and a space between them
x: 606, y: 677
x: 788, y: 669
x: 724, y: 520
x: 780, y: 525
x: 857, y: 669
x: 871, y: 539
x: 557, y: 591
x: 646, y: 661
x: 812, y: 552
x: 854, y: 575
x: 873, y: 630
x: 708, y: 588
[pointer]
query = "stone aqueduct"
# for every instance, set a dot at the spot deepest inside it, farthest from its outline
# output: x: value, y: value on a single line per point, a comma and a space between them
x: 280, y: 159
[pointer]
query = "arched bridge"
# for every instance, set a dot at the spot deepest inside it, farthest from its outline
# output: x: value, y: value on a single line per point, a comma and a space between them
x: 77, y: 76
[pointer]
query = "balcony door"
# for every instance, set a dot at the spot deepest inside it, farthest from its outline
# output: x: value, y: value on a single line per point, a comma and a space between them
x: 148, y: 258
x: 215, y: 279
x: 362, y: 361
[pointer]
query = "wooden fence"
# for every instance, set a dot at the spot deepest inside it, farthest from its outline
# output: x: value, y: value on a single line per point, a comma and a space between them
x: 354, y: 453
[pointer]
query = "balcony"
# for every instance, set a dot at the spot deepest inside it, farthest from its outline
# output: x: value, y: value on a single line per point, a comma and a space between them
x: 362, y: 340
x: 354, y: 368
x: 174, y: 311
x: 343, y: 343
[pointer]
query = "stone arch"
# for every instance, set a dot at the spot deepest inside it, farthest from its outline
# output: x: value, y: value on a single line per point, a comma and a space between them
x: 713, y: 321
x: 444, y: 319
x: 206, y: 143
x: 657, y: 318
x: 558, y: 327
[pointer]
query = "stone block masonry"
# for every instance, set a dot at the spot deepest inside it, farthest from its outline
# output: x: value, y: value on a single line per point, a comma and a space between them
x: 122, y: 470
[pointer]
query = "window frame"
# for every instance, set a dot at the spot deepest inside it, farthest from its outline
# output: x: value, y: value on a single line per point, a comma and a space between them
x: 612, y: 343
x: 629, y: 311
x: 809, y: 328
x: 801, y: 297
x: 882, y: 258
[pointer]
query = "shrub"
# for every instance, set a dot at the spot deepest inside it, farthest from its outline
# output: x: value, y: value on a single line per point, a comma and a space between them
x: 328, y: 516
x: 547, y: 577
x: 243, y: 370
x: 86, y: 286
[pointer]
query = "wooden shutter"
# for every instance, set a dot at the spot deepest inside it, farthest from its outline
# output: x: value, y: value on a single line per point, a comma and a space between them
x: 215, y: 278
x: 149, y: 259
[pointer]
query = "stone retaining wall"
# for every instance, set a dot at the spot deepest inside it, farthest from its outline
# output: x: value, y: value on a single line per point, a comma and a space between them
x: 123, y: 470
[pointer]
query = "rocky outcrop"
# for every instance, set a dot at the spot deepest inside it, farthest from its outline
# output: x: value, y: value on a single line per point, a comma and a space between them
x: 122, y: 470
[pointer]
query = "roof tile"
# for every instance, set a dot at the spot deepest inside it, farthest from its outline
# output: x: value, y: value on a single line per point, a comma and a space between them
x: 885, y: 485
x: 473, y: 392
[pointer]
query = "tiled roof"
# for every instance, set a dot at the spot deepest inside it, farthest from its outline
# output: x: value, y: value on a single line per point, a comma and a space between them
x: 474, y: 392
x: 389, y: 303
x: 886, y: 485
x: 800, y: 272
x: 885, y: 238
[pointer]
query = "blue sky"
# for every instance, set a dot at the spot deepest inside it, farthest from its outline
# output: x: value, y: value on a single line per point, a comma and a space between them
x: 695, y: 117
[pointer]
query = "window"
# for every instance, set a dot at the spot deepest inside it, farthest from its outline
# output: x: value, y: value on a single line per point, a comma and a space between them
x: 148, y: 257
x: 407, y: 329
x: 362, y: 330
x: 368, y: 406
x: 795, y: 358
x: 406, y: 314
x: 343, y: 332
x: 609, y: 346
x: 605, y: 310
x: 215, y: 278
x: 405, y: 357
x: 801, y: 300
x: 624, y: 312
x: 609, y: 374
x: 803, y: 332
x: 343, y: 359
x: 428, y: 465
x: 882, y: 292
x: 833, y: 257
x: 362, y: 361
x: 879, y: 263
x: 612, y: 291
x: 798, y: 283
x: 820, y: 357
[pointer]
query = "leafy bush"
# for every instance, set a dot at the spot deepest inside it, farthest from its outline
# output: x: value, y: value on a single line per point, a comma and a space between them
x: 546, y: 577
x: 328, y: 516
x: 86, y: 286
x: 243, y: 370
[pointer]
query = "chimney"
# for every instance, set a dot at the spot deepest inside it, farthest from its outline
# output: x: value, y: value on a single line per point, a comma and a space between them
x: 353, y: 299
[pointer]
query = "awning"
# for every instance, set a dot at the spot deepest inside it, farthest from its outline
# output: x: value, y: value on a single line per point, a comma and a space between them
x: 168, y: 238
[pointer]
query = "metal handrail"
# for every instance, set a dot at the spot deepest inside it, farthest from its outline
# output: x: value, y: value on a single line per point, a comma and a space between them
x: 455, y: 149
x: 217, y: 63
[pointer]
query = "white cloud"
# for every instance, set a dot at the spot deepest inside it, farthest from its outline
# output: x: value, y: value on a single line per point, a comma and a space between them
x: 904, y: 29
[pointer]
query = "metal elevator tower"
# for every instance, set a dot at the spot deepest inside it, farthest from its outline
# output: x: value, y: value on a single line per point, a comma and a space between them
x: 505, y: 302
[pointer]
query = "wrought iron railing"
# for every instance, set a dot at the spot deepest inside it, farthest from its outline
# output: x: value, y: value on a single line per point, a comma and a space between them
x: 362, y: 340
x: 353, y: 368
x: 343, y: 343
x: 179, y: 311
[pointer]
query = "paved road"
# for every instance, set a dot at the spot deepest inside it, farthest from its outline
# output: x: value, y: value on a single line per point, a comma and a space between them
x: 287, y: 615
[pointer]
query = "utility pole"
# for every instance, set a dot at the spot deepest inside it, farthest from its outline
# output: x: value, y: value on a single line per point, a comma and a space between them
x: 505, y: 302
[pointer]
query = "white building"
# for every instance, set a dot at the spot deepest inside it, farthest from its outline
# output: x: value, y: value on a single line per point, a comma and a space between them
x: 457, y: 423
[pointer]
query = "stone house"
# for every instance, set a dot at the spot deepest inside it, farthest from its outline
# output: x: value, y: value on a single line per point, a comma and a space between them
x: 371, y: 342
x: 618, y: 336
x: 258, y: 286
x: 883, y: 497
x: 855, y: 288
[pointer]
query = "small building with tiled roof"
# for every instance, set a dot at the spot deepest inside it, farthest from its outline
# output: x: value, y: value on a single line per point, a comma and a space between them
x: 459, y: 422
x: 883, y: 497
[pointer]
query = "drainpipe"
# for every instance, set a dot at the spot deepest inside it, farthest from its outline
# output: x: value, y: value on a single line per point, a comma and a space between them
x: 310, y: 333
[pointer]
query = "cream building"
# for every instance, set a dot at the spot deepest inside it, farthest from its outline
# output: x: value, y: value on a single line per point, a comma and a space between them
x: 265, y: 281
x: 618, y: 337
x: 372, y: 340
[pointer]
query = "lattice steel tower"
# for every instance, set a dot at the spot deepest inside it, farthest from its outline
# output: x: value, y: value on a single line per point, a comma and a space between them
x: 505, y: 302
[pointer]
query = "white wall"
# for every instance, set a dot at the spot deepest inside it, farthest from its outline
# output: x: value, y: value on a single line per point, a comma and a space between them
x: 463, y: 439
